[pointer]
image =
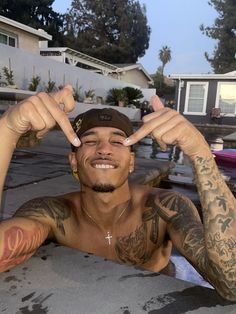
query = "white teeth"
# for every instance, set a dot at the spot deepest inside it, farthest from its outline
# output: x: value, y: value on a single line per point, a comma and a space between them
x: 102, y: 166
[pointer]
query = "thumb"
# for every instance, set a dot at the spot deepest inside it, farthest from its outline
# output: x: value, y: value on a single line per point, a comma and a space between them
x: 156, y: 103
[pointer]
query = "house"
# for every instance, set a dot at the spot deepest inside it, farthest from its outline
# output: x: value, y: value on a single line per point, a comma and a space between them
x: 134, y: 74
x: 129, y: 73
x: 207, y: 98
x: 24, y: 50
x: 21, y: 36
x: 18, y: 35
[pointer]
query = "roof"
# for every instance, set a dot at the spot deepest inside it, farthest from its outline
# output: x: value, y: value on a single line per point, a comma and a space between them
x: 132, y: 66
x: 99, y: 64
x: 37, y: 32
x: 228, y: 76
x: 82, y: 56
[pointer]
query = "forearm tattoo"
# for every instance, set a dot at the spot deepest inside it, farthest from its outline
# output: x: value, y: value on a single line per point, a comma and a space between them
x: 219, y: 213
x: 51, y: 207
x: 18, y: 244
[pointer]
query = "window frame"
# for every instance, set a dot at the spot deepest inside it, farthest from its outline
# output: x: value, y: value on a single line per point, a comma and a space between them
x: 186, y: 103
x: 9, y: 35
x: 217, y: 103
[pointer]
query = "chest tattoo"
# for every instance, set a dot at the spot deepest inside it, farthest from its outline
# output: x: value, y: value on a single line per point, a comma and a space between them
x: 133, y: 248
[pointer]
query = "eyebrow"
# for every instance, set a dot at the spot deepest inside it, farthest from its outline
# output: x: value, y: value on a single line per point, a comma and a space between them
x: 87, y: 133
x: 119, y: 133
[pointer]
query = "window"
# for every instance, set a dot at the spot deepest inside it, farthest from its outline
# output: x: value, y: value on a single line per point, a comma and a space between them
x: 226, y: 98
x: 196, y: 98
x: 9, y: 40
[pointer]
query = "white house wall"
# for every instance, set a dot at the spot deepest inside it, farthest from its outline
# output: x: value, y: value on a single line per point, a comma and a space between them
x: 25, y: 41
x: 24, y: 65
x: 137, y: 75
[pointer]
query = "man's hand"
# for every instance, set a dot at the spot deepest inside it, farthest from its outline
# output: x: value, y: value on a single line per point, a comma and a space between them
x: 167, y: 126
x: 41, y: 112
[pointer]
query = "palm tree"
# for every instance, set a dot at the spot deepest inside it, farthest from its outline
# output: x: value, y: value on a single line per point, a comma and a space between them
x: 165, y: 57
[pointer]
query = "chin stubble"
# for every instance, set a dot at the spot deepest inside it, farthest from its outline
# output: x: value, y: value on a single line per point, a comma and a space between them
x: 103, y: 188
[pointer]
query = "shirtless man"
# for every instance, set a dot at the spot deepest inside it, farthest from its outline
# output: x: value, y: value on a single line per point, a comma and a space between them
x: 109, y: 217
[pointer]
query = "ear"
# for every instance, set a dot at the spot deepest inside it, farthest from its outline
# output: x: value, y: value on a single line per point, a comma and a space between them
x: 73, y: 161
x: 131, y: 164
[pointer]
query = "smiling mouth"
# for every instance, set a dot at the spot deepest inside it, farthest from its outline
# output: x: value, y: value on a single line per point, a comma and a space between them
x: 103, y: 166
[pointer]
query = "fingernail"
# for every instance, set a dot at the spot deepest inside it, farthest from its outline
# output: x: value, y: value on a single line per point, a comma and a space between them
x: 76, y: 141
x: 126, y: 141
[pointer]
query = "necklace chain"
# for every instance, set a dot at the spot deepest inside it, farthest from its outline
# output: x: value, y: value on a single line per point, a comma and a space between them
x: 108, y: 236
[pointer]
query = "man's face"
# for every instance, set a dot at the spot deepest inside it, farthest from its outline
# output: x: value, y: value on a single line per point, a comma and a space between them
x: 103, y: 161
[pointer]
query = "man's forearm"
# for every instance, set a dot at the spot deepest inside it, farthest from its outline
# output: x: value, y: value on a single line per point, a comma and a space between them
x: 8, y: 141
x: 219, y: 216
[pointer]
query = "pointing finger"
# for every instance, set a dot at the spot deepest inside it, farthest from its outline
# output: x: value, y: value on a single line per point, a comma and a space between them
x: 156, y: 103
x: 51, y: 103
x: 141, y: 133
x: 138, y: 135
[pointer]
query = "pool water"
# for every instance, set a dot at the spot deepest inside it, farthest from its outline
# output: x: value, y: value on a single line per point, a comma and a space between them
x: 149, y: 149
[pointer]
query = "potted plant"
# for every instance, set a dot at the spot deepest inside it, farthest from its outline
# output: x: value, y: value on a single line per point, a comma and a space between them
x: 117, y: 97
x: 89, y: 96
x: 51, y: 84
x: 9, y: 77
x: 35, y: 80
x: 133, y: 95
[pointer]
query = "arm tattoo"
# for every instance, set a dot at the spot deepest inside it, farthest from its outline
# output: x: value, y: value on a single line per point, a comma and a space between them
x: 19, y: 244
x: 219, y: 216
x: 181, y: 215
x: 56, y: 209
x: 151, y: 214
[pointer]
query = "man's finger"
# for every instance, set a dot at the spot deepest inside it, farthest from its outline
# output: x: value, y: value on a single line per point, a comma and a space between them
x: 138, y: 135
x: 156, y: 103
x: 65, y: 97
x: 51, y: 103
x: 63, y: 121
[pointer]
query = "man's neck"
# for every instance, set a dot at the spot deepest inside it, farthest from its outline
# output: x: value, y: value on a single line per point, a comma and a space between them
x: 105, y: 208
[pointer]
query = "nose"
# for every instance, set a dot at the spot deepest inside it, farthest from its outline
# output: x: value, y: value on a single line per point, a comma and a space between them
x: 104, y: 148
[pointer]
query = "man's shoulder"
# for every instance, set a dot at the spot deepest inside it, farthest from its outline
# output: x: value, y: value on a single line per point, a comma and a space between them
x: 45, y: 206
x: 154, y: 192
x: 152, y: 197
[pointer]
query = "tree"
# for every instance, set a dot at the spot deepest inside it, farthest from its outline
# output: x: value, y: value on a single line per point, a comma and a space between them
x: 162, y: 89
x: 165, y: 57
x: 223, y: 30
x: 34, y: 13
x: 115, y: 31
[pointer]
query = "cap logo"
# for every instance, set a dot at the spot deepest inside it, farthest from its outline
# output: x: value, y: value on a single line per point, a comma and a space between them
x: 78, y: 125
x: 105, y: 117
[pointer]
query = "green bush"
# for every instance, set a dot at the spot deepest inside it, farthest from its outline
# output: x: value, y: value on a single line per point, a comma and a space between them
x: 115, y: 95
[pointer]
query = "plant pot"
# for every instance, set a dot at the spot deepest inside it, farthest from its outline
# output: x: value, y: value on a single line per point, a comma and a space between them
x: 88, y: 100
x: 121, y: 103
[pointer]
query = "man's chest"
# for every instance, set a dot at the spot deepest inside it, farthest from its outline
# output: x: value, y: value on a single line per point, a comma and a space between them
x: 134, y: 244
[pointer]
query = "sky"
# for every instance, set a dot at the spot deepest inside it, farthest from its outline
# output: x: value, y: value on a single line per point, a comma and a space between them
x: 174, y: 23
